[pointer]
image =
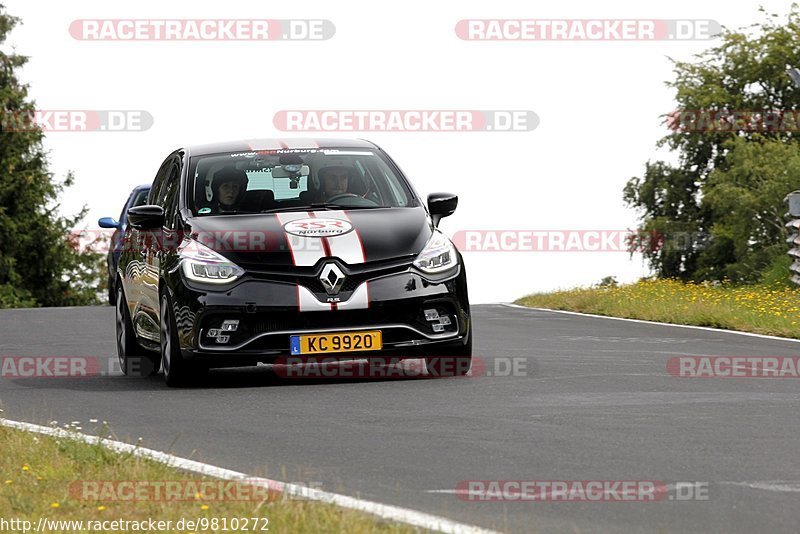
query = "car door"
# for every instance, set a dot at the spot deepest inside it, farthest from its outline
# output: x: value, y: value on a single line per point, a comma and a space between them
x: 141, y: 276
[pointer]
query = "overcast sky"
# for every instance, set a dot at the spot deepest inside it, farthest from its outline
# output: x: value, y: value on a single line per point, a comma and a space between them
x: 598, y: 102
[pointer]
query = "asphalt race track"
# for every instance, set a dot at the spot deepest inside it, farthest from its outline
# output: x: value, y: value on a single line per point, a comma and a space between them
x: 590, y: 400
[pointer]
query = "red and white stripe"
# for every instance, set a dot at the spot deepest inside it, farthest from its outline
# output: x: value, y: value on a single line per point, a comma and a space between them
x: 347, y: 247
x: 359, y: 300
x: 307, y: 251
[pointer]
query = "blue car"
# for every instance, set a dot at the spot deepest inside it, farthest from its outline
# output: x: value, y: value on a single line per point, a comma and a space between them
x: 138, y: 197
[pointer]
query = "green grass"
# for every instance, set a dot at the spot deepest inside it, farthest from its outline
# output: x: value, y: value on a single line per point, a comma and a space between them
x: 762, y: 309
x: 36, y: 473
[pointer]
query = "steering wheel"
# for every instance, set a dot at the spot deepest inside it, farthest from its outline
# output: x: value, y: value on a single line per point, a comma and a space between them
x: 342, y: 195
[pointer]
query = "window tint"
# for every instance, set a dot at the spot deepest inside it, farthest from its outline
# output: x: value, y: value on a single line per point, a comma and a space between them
x: 281, y: 188
x: 170, y: 195
x: 294, y: 180
x: 158, y: 182
x: 141, y: 198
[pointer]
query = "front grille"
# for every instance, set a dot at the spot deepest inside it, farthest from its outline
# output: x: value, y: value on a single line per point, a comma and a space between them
x: 308, y: 277
x: 266, y: 321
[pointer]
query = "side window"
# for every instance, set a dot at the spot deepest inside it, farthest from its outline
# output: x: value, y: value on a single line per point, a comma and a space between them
x: 141, y: 198
x: 153, y: 197
x: 123, y: 214
x: 170, y: 195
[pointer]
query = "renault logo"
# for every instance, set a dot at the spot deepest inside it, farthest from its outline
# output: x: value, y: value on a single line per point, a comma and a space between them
x: 332, y: 278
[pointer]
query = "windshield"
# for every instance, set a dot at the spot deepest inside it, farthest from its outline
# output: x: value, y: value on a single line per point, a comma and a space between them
x: 267, y: 181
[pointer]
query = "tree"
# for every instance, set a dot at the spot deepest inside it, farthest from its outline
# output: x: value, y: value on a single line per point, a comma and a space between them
x: 696, y: 197
x: 40, y: 262
x: 745, y: 199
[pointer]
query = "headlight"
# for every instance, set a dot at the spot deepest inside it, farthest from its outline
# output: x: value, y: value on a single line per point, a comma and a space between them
x: 201, y: 264
x: 438, y: 256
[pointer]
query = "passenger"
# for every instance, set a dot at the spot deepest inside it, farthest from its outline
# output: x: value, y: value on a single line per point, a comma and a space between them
x: 229, y: 187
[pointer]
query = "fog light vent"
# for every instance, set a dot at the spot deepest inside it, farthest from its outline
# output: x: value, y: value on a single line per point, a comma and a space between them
x: 230, y: 325
x: 431, y: 315
x: 438, y: 320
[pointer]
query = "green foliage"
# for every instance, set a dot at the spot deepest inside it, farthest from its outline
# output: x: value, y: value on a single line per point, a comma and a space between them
x: 746, y: 201
x: 40, y: 265
x: 725, y: 195
x: 777, y: 274
x: 607, y: 281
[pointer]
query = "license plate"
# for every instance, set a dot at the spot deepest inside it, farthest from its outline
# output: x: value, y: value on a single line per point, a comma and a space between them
x: 336, y: 342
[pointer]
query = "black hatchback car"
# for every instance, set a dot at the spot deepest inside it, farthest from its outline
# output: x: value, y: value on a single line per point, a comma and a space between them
x: 259, y: 251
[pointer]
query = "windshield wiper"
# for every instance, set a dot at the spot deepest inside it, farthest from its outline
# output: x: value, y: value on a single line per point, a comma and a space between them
x: 342, y: 207
x: 287, y: 208
x: 321, y: 206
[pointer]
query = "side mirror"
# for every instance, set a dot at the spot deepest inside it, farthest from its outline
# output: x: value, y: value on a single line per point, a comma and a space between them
x: 441, y: 205
x: 146, y: 217
x: 108, y: 222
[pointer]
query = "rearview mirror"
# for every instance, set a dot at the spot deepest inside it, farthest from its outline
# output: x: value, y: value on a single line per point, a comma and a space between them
x: 290, y: 171
x: 146, y: 217
x: 441, y: 205
x: 108, y: 222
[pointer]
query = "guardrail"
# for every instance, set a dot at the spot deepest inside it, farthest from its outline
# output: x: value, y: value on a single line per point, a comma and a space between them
x: 793, y: 199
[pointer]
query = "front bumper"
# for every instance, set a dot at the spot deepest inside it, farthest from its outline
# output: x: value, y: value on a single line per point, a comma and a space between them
x: 270, y: 310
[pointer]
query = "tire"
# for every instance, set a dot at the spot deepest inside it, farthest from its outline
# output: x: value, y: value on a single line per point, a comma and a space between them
x: 133, y: 359
x: 451, y: 362
x: 177, y: 371
x: 112, y: 293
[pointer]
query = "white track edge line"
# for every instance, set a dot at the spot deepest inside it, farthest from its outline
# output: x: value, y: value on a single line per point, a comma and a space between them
x: 706, y: 328
x: 385, y: 511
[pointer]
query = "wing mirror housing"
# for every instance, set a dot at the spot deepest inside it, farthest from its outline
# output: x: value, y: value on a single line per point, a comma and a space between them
x: 146, y: 217
x: 108, y: 222
x: 441, y: 205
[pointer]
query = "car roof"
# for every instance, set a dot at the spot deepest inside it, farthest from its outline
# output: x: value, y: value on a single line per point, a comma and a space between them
x: 249, y: 145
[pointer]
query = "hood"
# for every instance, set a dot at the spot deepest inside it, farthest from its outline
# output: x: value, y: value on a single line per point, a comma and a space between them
x: 301, y: 239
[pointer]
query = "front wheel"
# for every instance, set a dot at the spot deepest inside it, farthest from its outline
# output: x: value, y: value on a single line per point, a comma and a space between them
x: 112, y: 295
x: 177, y: 371
x: 133, y: 359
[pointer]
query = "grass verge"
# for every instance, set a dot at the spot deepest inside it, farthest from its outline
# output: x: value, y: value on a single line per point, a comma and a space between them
x: 42, y: 476
x: 758, y: 309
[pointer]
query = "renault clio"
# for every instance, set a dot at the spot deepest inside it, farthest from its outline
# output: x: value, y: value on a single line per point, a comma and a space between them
x: 247, y: 252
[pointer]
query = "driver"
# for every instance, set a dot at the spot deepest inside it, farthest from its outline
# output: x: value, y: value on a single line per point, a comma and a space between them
x: 229, y: 187
x: 335, y: 181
